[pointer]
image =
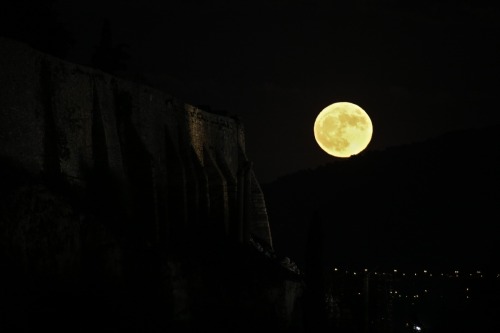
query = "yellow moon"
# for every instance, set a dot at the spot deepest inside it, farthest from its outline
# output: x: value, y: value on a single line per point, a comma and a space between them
x: 343, y: 129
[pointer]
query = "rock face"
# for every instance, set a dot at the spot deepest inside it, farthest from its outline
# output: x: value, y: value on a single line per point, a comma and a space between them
x: 113, y: 193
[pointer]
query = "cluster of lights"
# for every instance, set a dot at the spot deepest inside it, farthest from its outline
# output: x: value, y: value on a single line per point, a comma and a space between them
x: 416, y: 296
x: 454, y: 274
x: 415, y: 328
x: 412, y: 297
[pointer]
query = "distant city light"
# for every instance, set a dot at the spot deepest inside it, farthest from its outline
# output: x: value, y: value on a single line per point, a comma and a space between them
x: 412, y: 297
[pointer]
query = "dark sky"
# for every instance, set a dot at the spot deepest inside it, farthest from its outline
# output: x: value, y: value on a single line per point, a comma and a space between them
x: 419, y: 68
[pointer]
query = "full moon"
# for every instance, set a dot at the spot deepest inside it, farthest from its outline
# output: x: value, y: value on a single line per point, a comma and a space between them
x: 343, y: 129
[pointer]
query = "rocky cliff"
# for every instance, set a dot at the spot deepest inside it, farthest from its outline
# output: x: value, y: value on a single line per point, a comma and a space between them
x: 114, y: 194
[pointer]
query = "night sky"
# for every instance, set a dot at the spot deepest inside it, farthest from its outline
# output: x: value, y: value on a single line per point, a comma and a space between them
x: 419, y: 68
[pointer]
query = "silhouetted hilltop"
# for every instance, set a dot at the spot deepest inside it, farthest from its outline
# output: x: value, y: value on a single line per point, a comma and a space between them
x: 433, y: 203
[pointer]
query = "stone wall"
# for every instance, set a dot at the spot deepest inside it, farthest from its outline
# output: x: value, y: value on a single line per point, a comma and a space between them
x: 122, y: 203
x: 66, y: 121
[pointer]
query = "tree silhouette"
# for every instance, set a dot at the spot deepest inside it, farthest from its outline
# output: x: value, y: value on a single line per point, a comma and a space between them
x: 109, y: 57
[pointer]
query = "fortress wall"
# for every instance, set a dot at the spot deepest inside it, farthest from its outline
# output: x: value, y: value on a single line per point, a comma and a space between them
x: 175, y: 165
x: 114, y: 195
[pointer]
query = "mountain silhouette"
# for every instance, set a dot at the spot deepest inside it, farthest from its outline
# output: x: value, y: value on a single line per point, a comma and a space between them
x: 428, y: 204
